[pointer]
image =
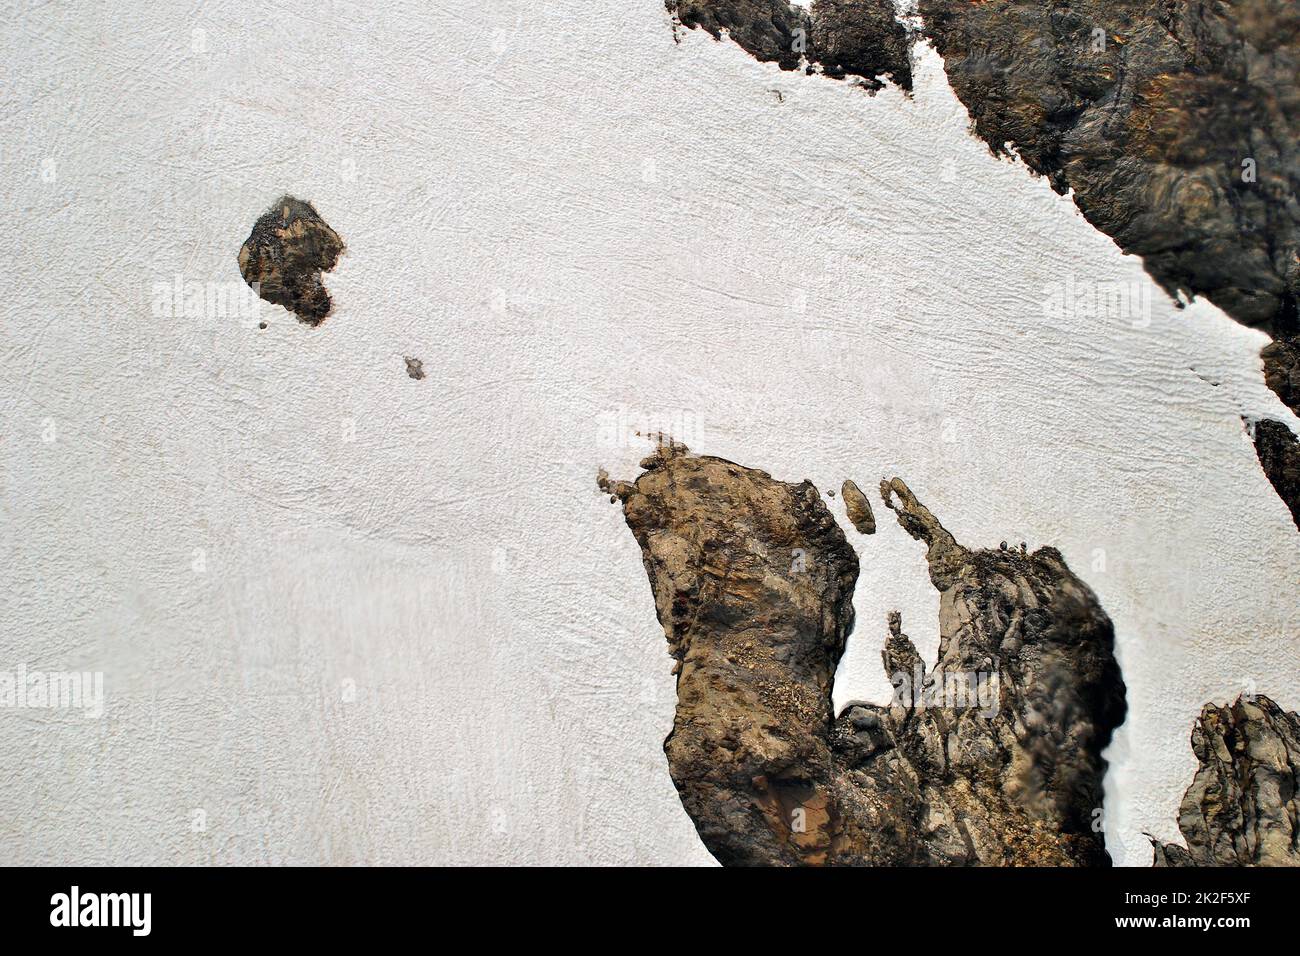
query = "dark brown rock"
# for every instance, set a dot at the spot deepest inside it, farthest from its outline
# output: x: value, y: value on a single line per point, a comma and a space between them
x: 1177, y: 126
x: 283, y: 258
x: 1279, y: 455
x: 1282, y: 370
x: 992, y: 758
x: 862, y: 39
x: 1242, y: 807
x: 414, y: 368
x: 843, y: 38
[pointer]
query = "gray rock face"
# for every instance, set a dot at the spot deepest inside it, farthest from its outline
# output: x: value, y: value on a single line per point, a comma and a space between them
x: 283, y: 258
x: 842, y: 38
x: 993, y: 757
x: 1279, y: 456
x: 1242, y: 807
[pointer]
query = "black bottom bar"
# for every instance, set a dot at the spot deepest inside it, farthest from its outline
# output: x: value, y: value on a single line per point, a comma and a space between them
x: 828, y: 907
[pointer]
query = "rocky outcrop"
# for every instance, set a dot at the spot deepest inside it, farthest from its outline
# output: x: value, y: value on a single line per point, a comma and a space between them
x: 992, y: 757
x: 1242, y: 808
x: 283, y: 258
x: 1177, y: 126
x: 840, y: 38
x: 753, y: 583
x: 1279, y: 456
x: 1282, y: 370
x: 858, y: 507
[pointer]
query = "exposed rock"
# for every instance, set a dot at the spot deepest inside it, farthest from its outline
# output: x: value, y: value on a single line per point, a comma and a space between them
x: 858, y: 508
x: 1242, y: 807
x: 283, y: 258
x: 1177, y: 125
x: 861, y: 38
x: 764, y: 28
x: 842, y: 38
x: 753, y: 583
x: 1282, y: 370
x: 414, y: 368
x: 992, y: 758
x: 1279, y: 456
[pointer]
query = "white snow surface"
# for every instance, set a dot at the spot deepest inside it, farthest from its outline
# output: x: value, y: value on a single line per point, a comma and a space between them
x: 348, y: 617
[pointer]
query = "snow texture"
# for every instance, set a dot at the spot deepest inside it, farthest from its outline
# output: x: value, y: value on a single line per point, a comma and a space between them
x: 345, y: 616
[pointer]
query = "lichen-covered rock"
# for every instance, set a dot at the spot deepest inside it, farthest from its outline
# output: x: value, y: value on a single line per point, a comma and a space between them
x: 1279, y: 455
x: 993, y: 757
x: 844, y: 38
x: 1242, y: 807
x: 1001, y: 742
x: 283, y: 258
